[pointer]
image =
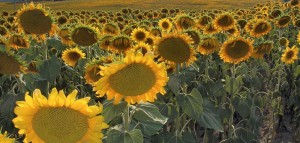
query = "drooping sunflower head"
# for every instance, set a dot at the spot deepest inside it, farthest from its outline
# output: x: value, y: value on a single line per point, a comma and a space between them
x: 92, y: 71
x: 224, y: 21
x: 18, y: 41
x: 136, y: 79
x: 120, y: 44
x: 236, y: 50
x: 260, y: 28
x: 184, y: 21
x: 142, y: 47
x: 105, y: 42
x: 283, y: 21
x: 58, y: 118
x: 139, y: 34
x: 284, y: 41
x: 72, y: 56
x: 208, y: 45
x: 290, y: 55
x: 165, y: 24
x: 85, y: 35
x: 275, y: 13
x: 4, y: 138
x: 210, y: 29
x: 111, y: 28
x: 10, y: 64
x: 34, y: 19
x: 262, y: 49
x: 175, y: 48
x: 203, y: 21
x: 65, y: 35
x: 195, y: 35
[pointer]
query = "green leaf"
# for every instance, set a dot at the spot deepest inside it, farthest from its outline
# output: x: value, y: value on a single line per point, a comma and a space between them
x: 55, y: 43
x: 49, y: 69
x: 186, y: 138
x: 209, y: 118
x: 191, y: 104
x: 110, y: 110
x: 149, y: 117
x: 174, y: 84
x: 117, y: 136
x: 232, y: 85
x: 297, y: 71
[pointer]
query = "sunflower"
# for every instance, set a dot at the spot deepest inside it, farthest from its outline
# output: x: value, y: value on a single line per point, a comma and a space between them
x: 4, y: 138
x: 262, y: 49
x: 234, y: 31
x: 175, y: 48
x: 105, y: 42
x: 34, y: 19
x: 58, y: 119
x: 3, y: 31
x: 85, y: 35
x: 92, y: 72
x: 136, y: 79
x: 210, y: 29
x: 195, y: 35
x: 72, y: 56
x: 61, y: 20
x: 111, y: 28
x: 224, y: 21
x: 283, y: 21
x: 165, y: 24
x: 150, y: 40
x: 65, y: 35
x: 142, y: 47
x: 203, y: 21
x: 183, y: 21
x: 155, y: 31
x: 260, y: 28
x: 10, y: 64
x: 208, y: 45
x: 236, y: 50
x: 17, y: 41
x: 284, y: 41
x: 139, y: 34
x: 120, y: 44
x: 290, y: 55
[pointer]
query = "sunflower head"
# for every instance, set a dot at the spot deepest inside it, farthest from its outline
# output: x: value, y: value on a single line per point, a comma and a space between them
x: 203, y: 21
x: 236, y: 50
x: 234, y: 31
x: 296, y: 23
x: 111, y: 28
x: 195, y: 35
x: 150, y: 40
x: 65, y: 35
x: 284, y: 42
x: 92, y: 71
x: 34, y: 19
x: 294, y: 2
x: 10, y: 64
x: 183, y: 21
x: 142, y: 47
x: 72, y: 56
x: 105, y: 42
x: 283, y: 21
x: 165, y: 24
x: 290, y: 55
x: 18, y: 41
x: 175, y: 48
x: 208, y: 45
x: 137, y: 79
x: 58, y: 118
x: 120, y: 44
x: 210, y: 29
x: 139, y: 34
x: 61, y: 20
x: 224, y: 21
x: 260, y: 28
x: 3, y: 31
x: 85, y: 35
x: 155, y: 31
x: 262, y: 49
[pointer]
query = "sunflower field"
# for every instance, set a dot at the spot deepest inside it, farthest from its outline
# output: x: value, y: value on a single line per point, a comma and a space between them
x: 150, y: 76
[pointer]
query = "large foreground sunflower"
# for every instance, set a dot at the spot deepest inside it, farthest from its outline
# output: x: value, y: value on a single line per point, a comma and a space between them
x: 58, y: 119
x: 236, y: 50
x: 136, y: 79
x: 290, y: 55
x: 71, y: 56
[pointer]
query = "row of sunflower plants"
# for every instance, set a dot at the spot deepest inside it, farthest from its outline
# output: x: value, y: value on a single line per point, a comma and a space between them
x: 137, y: 76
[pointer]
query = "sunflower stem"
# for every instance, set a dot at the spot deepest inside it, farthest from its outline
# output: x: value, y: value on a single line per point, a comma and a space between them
x: 230, y: 122
x: 45, y: 57
x: 126, y: 120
